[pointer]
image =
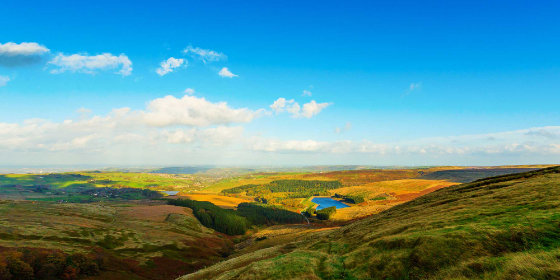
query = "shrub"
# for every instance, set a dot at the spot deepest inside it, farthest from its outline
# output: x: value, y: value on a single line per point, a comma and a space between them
x: 309, y: 212
x: 326, y: 213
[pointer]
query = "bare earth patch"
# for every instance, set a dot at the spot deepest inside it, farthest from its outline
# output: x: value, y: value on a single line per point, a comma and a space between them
x: 156, y: 213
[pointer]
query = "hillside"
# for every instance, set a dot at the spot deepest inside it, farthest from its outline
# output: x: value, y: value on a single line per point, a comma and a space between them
x: 128, y: 240
x: 505, y: 227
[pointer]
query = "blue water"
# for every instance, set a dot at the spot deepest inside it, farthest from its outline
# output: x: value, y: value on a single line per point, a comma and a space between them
x: 325, y: 202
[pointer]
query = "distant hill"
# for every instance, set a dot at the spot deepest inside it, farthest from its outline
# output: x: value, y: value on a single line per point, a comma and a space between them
x: 505, y: 227
x: 181, y: 170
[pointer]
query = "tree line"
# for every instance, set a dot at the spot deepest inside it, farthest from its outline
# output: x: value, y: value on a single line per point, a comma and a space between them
x: 351, y: 198
x: 222, y: 220
x: 236, y: 222
x: 260, y: 214
x: 294, y: 188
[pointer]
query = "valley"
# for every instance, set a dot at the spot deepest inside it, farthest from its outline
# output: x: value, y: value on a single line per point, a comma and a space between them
x: 128, y: 226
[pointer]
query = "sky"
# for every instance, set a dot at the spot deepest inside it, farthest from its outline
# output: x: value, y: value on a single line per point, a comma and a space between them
x: 279, y: 83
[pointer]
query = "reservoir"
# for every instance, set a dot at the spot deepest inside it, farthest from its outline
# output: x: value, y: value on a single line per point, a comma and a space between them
x: 325, y: 202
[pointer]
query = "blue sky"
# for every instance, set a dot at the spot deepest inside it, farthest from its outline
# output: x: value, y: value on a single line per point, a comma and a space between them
x: 389, y: 83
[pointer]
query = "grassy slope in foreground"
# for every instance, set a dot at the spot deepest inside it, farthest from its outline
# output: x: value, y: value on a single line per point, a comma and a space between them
x: 504, y: 227
x: 146, y: 240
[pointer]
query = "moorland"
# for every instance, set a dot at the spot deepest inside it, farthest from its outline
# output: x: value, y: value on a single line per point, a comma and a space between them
x: 409, y: 223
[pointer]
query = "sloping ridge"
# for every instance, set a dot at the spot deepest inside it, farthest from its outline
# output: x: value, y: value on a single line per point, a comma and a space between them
x: 504, y: 227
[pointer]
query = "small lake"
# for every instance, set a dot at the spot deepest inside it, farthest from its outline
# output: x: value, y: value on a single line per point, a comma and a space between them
x: 325, y: 202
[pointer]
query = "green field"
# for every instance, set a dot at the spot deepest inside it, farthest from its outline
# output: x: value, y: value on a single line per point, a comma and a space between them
x: 72, y: 186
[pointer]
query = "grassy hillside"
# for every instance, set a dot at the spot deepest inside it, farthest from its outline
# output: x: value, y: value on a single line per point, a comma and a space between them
x: 504, y: 227
x: 140, y: 240
x: 471, y: 174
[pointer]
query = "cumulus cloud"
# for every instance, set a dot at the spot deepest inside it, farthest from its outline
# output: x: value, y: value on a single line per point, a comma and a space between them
x: 4, y: 80
x: 280, y: 104
x: 90, y: 64
x: 313, y: 108
x: 219, y: 135
x: 13, y: 54
x: 226, y: 73
x: 162, y: 122
x: 13, y: 49
x: 205, y: 55
x: 171, y: 128
x: 168, y: 65
x: 194, y: 111
x: 308, y: 110
x: 189, y: 91
x: 306, y: 93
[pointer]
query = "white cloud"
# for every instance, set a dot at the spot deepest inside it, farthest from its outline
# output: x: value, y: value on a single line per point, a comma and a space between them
x: 90, y: 64
x: 14, y: 55
x: 4, y: 80
x: 25, y: 49
x: 313, y: 108
x: 205, y: 55
x: 220, y: 135
x: 280, y: 104
x: 194, y: 111
x: 308, y: 110
x: 509, y: 143
x: 190, y: 128
x: 189, y: 91
x: 124, y: 126
x: 306, y: 93
x: 226, y: 73
x: 168, y: 65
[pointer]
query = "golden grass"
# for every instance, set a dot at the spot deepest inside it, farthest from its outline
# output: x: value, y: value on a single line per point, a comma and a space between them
x: 218, y: 200
x: 393, y: 188
x: 396, y: 191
